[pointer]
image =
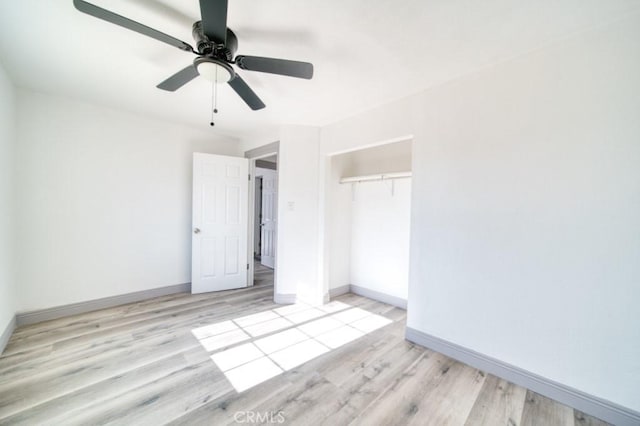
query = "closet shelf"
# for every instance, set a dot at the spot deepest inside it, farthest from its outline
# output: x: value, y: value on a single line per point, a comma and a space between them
x: 381, y: 176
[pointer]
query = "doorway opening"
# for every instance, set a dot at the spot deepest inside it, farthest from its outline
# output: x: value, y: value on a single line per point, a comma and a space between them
x: 263, y: 223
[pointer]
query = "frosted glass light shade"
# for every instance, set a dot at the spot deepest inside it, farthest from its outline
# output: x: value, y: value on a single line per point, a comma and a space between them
x: 214, y: 72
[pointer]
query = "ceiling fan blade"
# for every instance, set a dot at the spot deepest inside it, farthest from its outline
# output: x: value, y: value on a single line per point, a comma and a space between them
x: 179, y: 79
x: 214, y: 19
x: 127, y: 23
x: 246, y: 93
x: 275, y: 66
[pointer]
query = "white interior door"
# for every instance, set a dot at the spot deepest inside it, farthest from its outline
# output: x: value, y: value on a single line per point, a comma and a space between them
x: 269, y: 216
x: 219, y: 239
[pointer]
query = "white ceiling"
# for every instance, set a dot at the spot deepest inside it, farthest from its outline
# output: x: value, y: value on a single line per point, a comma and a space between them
x: 365, y: 52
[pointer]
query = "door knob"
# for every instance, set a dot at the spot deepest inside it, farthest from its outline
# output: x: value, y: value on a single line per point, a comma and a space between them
x: 196, y: 230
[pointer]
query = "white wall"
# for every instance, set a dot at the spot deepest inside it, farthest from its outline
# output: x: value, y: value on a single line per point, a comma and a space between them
x: 260, y: 171
x: 388, y: 158
x: 380, y: 229
x: 298, y: 255
x: 7, y: 148
x: 525, y: 240
x: 104, y: 200
x: 538, y: 162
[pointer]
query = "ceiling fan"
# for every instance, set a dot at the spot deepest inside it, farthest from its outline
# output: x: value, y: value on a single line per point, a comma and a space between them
x: 216, y: 46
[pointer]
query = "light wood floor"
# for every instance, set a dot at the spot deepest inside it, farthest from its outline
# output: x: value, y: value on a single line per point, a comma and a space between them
x: 261, y: 274
x: 139, y: 364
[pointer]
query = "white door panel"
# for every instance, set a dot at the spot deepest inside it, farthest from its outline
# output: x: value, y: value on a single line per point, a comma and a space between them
x: 269, y: 215
x: 219, y: 240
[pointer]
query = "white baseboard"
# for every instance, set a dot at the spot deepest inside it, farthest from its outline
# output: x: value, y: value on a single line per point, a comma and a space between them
x: 371, y: 294
x: 380, y: 297
x: 594, y: 406
x: 285, y: 299
x: 338, y: 291
x: 6, y: 334
x: 32, y: 317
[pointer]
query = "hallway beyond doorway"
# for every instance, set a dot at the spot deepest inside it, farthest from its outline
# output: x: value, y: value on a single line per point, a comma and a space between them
x: 262, y: 275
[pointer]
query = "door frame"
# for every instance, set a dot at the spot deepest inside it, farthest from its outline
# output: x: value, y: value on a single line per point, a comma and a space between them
x: 253, y: 155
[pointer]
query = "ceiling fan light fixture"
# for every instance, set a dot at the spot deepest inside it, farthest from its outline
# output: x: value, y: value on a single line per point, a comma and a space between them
x: 214, y: 71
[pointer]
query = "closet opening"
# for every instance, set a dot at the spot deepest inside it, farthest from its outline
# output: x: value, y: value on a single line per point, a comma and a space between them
x: 368, y: 219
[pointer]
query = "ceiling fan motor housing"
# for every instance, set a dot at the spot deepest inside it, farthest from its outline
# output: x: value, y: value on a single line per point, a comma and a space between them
x: 206, y: 47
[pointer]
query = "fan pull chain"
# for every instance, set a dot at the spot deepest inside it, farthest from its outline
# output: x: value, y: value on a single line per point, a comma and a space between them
x: 214, y: 98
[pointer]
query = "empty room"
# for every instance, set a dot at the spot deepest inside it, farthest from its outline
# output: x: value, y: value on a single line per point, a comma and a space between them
x: 221, y: 212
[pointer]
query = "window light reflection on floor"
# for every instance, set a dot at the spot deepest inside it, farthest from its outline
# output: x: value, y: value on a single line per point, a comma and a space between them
x: 254, y: 348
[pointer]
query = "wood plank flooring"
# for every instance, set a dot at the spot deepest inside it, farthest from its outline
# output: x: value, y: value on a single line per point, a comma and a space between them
x: 261, y: 274
x: 140, y: 364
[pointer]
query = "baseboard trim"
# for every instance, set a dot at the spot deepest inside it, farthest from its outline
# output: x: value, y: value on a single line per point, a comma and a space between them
x: 380, y: 297
x: 285, y: 299
x: 589, y: 404
x: 32, y: 317
x: 339, y: 291
x: 6, y: 334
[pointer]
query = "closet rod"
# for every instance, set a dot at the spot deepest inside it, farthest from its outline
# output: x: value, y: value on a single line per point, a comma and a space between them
x: 382, y: 176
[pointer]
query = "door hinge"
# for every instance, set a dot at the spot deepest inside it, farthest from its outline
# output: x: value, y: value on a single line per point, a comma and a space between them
x: 249, y: 176
x: 247, y: 266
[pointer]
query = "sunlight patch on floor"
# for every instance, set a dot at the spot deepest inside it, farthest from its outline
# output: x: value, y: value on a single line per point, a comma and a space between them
x: 293, y: 335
